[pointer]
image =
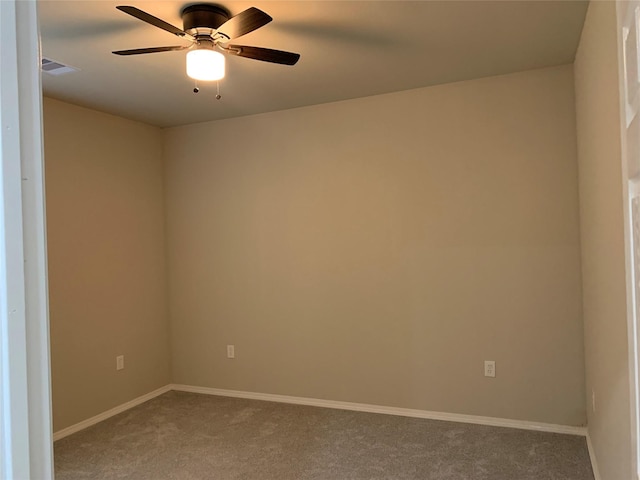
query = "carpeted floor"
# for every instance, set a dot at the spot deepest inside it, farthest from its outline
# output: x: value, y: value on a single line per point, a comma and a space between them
x: 189, y: 436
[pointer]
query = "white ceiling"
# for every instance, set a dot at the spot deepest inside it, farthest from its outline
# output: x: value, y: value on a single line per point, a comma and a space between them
x: 348, y: 49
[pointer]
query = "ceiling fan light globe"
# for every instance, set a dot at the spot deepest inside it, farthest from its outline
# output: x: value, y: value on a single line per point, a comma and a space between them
x: 205, y: 65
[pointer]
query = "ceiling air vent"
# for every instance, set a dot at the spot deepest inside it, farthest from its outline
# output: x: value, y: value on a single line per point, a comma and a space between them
x: 56, y: 68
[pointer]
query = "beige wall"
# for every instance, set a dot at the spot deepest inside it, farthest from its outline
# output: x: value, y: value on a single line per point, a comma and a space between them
x: 378, y: 250
x: 603, y: 262
x: 107, y: 282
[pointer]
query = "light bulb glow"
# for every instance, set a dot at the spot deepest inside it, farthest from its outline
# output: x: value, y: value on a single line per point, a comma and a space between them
x: 205, y: 64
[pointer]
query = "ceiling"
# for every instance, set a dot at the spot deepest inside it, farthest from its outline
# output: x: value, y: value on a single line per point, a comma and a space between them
x: 348, y: 49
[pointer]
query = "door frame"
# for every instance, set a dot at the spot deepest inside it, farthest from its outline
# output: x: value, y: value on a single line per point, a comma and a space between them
x: 26, y: 446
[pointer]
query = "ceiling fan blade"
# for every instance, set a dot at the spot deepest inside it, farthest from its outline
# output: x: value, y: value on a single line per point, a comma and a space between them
x: 155, y: 21
x: 139, y: 51
x: 263, y: 54
x: 243, y: 23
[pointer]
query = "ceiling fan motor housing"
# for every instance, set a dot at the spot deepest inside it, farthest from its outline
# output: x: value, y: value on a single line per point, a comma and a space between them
x: 203, y: 19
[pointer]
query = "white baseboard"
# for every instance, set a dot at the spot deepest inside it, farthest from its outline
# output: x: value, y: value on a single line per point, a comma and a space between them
x: 358, y: 407
x: 592, y: 457
x: 404, y: 412
x: 109, y: 413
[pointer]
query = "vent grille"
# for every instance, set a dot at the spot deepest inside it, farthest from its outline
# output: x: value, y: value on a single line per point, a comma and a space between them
x: 56, y: 68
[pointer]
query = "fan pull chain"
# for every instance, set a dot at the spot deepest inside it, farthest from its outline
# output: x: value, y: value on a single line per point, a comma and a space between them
x: 195, y: 88
x: 218, y: 96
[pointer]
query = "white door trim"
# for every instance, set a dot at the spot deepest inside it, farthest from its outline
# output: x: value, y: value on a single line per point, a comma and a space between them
x: 628, y: 22
x: 25, y: 392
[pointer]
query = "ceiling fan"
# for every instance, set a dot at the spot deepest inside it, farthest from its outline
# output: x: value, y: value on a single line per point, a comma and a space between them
x: 209, y: 28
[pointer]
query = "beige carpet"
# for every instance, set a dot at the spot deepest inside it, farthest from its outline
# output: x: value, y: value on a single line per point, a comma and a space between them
x: 189, y: 436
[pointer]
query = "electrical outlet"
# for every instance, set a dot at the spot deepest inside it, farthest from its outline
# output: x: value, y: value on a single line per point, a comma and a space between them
x: 489, y: 368
x: 231, y: 351
x: 119, y: 362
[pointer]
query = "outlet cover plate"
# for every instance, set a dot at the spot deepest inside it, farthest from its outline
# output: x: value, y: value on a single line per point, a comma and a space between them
x: 489, y: 368
x: 119, y: 362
